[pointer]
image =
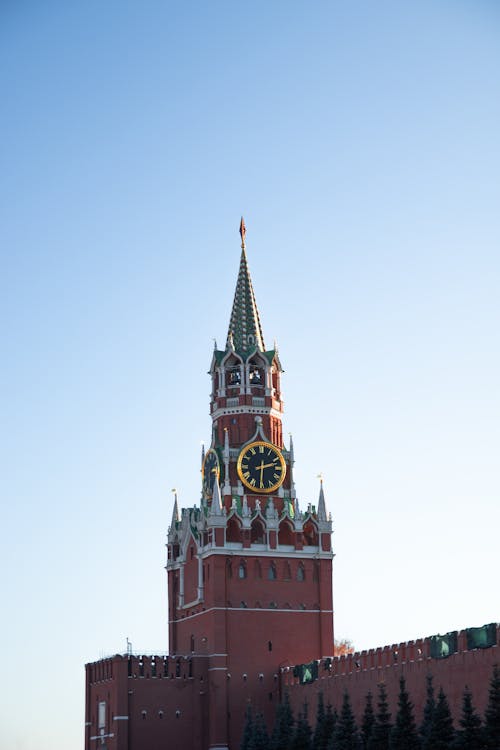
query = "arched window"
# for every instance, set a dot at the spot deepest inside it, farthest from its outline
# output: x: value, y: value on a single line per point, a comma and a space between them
x: 258, y: 535
x: 310, y: 534
x: 242, y: 569
x: 233, y: 531
x: 285, y: 533
x: 271, y: 573
x: 315, y: 571
x: 301, y: 573
x: 287, y: 574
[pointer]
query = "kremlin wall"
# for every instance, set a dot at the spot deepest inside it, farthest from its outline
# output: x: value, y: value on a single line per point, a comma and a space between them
x: 150, y: 698
x: 361, y: 672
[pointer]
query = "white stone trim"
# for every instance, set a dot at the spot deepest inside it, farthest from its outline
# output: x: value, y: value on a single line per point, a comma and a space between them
x: 252, y: 609
x: 306, y: 553
x: 100, y: 736
x: 227, y: 410
x: 120, y: 718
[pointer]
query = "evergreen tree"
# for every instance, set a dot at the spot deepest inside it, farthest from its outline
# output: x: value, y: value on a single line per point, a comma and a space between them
x: 259, y: 739
x: 346, y: 732
x: 283, y: 730
x: 470, y: 736
x: 320, y: 739
x: 379, y: 739
x: 429, y: 709
x: 441, y: 733
x: 247, y: 730
x: 492, y: 714
x: 302, y: 737
x: 331, y: 724
x: 367, y: 721
x: 404, y: 734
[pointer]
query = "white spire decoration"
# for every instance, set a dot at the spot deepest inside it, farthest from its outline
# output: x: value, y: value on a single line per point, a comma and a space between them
x: 216, y: 499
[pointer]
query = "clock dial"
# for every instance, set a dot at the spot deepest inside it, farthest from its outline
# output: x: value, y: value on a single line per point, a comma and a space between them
x: 210, y: 470
x: 261, y: 467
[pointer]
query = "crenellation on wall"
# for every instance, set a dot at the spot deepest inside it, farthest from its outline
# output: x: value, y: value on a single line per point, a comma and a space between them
x: 361, y: 672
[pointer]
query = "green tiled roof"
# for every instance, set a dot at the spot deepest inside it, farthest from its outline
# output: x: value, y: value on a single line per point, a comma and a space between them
x: 244, y: 326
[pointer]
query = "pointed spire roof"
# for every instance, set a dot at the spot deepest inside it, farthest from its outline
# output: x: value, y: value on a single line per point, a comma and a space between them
x: 321, y: 502
x: 216, y: 499
x: 245, y: 331
x: 175, y: 511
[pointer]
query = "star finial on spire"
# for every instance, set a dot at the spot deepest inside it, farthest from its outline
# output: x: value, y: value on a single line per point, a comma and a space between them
x: 243, y: 232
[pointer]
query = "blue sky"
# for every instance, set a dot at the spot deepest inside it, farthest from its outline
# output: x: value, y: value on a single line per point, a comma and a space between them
x: 360, y: 142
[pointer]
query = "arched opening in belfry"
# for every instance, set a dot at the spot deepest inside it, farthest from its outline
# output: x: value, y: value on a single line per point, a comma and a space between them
x: 233, y: 530
x: 258, y: 532
x: 286, y: 533
x: 310, y: 534
x: 215, y: 373
x: 233, y: 368
x: 275, y: 376
x: 256, y: 374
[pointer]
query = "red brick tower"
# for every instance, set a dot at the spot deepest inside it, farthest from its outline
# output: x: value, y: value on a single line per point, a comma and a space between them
x: 249, y: 571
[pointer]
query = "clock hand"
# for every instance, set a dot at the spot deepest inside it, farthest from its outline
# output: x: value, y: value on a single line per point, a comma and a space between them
x: 261, y: 469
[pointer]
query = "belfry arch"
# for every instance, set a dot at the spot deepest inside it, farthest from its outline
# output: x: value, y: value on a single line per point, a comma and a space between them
x: 286, y: 534
x: 258, y: 531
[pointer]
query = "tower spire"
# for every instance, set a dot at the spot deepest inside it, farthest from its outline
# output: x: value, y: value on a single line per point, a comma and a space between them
x: 245, y: 331
x: 321, y: 502
x: 175, y: 513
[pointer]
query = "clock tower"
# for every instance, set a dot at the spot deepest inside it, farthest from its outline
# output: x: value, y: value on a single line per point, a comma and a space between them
x: 249, y: 569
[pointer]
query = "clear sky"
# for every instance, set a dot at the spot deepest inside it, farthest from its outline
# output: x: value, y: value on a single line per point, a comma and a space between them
x: 360, y: 141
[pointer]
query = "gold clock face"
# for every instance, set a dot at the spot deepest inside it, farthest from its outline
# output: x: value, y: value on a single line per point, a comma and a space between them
x: 261, y: 467
x: 210, y: 471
